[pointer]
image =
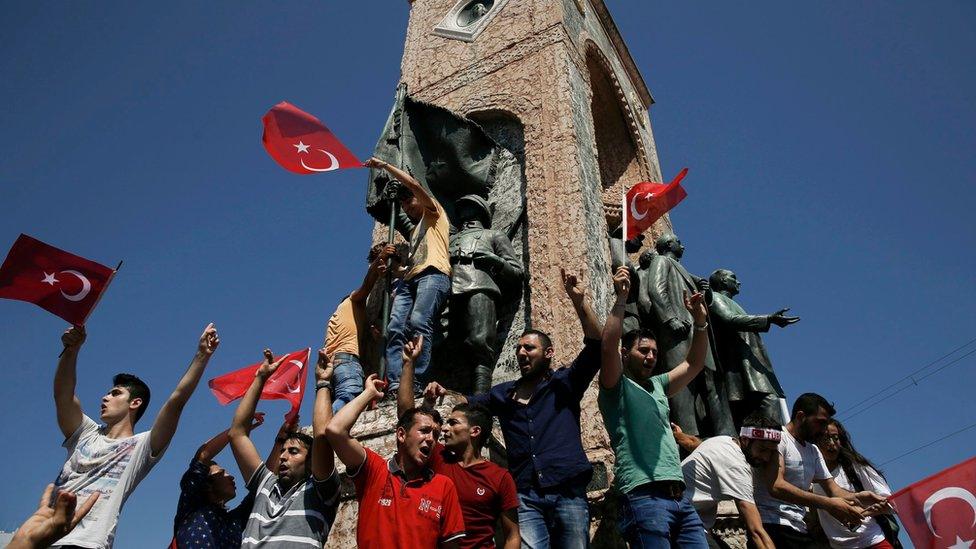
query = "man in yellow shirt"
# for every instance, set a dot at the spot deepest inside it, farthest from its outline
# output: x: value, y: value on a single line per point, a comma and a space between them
x: 346, y: 324
x: 427, y: 284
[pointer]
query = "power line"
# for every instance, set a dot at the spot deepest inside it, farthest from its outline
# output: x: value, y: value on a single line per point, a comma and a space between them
x: 909, y: 376
x: 927, y: 445
x: 915, y: 382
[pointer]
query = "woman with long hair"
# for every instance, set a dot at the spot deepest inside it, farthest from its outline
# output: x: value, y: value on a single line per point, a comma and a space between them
x: 854, y: 472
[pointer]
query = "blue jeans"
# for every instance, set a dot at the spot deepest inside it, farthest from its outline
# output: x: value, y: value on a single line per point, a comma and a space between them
x: 555, y: 517
x: 651, y: 521
x: 415, y: 308
x: 347, y: 379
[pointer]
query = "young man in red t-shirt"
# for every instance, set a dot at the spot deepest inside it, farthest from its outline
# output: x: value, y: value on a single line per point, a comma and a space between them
x: 486, y: 490
x: 402, y: 502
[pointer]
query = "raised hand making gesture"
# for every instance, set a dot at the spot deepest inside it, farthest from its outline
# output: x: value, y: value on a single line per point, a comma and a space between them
x: 49, y: 524
x: 269, y: 366
x: 621, y: 283
x: 209, y: 340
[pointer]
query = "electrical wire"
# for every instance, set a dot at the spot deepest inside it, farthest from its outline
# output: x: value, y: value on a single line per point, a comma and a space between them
x: 915, y: 381
x: 910, y: 375
x: 912, y: 451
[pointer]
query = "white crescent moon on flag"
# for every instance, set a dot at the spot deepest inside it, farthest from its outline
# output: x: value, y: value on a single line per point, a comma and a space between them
x: 85, y: 287
x: 633, y: 206
x: 333, y: 163
x: 947, y: 493
x: 300, y: 366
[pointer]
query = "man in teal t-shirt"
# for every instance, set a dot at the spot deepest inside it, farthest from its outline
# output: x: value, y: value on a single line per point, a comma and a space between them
x: 654, y: 510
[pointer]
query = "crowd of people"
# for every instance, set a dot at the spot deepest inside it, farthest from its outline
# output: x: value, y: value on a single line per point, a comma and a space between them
x: 438, y: 489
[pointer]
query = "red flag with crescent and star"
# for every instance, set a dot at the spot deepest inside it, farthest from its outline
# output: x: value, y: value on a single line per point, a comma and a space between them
x: 57, y: 281
x: 647, y: 202
x: 940, y: 511
x: 287, y: 383
x: 301, y: 143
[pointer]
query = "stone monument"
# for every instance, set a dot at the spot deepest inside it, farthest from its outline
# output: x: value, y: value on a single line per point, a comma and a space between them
x: 553, y: 82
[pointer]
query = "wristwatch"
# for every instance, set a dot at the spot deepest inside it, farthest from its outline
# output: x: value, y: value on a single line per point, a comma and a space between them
x: 701, y: 328
x: 323, y: 385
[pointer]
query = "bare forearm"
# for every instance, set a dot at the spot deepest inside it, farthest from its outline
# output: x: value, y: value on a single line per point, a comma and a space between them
x: 361, y: 293
x: 343, y: 421
x: 588, y: 320
x: 698, y: 349
x: 65, y: 377
x: 188, y: 383
x: 212, y: 447
x: 245, y: 410
x: 610, y: 365
x: 791, y: 494
x: 405, y: 399
x: 687, y: 442
x: 168, y: 418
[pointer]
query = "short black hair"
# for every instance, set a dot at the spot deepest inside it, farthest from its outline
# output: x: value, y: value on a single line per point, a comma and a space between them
x: 760, y: 420
x: 544, y: 337
x: 137, y: 389
x: 478, y: 416
x: 299, y: 436
x: 401, y: 251
x: 808, y: 403
x: 632, y: 337
x: 409, y: 417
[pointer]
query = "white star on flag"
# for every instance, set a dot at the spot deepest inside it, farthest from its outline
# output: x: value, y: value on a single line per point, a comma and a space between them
x: 960, y: 544
x: 49, y: 279
x: 302, y: 147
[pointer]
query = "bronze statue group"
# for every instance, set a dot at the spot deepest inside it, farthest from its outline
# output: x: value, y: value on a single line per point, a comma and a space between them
x: 687, y: 395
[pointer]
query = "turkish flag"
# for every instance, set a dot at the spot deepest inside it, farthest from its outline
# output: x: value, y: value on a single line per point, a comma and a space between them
x: 287, y: 383
x: 54, y: 280
x: 302, y: 144
x: 940, y: 511
x: 647, y: 202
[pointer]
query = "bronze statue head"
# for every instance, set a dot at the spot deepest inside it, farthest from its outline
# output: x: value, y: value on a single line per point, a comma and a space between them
x: 472, y: 207
x: 669, y: 244
x: 645, y: 258
x: 724, y: 280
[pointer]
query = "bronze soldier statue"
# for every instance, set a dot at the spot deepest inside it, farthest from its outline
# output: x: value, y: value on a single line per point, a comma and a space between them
x: 702, y: 408
x: 484, y: 272
x: 750, y: 381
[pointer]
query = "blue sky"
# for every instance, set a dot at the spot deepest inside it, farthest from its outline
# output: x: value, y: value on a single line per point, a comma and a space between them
x: 830, y: 148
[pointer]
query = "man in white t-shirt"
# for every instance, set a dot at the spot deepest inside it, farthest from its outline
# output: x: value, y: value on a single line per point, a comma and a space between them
x: 720, y: 469
x: 111, y: 459
x: 783, y: 486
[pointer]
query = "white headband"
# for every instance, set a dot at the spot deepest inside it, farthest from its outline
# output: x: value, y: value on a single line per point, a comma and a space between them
x: 758, y: 433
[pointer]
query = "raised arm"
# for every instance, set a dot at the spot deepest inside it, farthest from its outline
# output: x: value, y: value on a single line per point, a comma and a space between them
x: 411, y: 350
x: 350, y: 450
x: 215, y: 445
x: 611, y: 366
x: 414, y: 186
x: 67, y: 404
x: 168, y: 418
x: 248, y: 459
x: 591, y: 325
x: 323, y: 460
x: 376, y: 269
x: 681, y: 376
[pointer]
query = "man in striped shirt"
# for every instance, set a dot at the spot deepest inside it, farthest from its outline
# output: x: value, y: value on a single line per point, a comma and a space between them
x: 294, y: 506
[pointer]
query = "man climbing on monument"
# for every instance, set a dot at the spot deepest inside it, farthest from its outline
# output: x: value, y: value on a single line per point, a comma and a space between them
x: 345, y: 327
x: 486, y: 491
x: 111, y: 459
x: 427, y: 284
x: 783, y: 485
x: 539, y: 414
x: 402, y: 502
x: 483, y: 266
x: 655, y: 511
x: 720, y: 469
x: 295, y: 505
x: 662, y: 309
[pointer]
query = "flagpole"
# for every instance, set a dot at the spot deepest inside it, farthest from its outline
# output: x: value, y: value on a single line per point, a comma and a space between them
x: 390, y: 191
x: 623, y: 224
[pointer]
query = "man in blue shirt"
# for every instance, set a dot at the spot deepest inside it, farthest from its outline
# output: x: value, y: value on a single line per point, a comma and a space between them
x: 539, y: 414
